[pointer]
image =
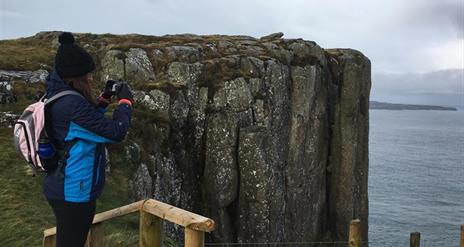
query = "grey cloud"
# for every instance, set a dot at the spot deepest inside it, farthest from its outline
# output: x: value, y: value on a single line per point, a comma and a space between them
x: 456, y: 14
x: 394, y: 34
x: 437, y: 14
x: 444, y: 87
x: 453, y: 11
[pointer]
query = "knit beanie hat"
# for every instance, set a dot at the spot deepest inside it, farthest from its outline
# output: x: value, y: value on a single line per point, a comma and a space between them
x: 71, y: 60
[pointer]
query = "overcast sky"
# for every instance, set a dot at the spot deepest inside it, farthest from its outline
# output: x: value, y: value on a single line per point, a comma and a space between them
x: 403, y: 38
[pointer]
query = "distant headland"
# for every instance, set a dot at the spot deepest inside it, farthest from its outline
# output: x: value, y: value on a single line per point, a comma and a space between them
x: 390, y: 106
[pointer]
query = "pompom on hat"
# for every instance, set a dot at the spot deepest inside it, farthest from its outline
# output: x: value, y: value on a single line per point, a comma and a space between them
x: 72, y: 60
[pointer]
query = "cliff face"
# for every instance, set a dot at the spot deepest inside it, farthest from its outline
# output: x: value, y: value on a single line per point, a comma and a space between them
x: 267, y: 136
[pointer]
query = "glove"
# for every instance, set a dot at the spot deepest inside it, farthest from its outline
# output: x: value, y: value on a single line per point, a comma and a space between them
x: 124, y: 94
x: 109, y: 89
x: 104, y: 99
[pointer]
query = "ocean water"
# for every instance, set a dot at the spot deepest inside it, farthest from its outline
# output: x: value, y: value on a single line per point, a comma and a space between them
x: 416, y: 177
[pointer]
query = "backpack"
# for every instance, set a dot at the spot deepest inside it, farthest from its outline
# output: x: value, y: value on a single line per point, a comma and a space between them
x: 30, y: 127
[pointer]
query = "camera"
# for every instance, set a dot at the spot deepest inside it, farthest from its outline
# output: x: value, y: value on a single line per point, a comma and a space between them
x: 113, y: 86
x: 117, y: 88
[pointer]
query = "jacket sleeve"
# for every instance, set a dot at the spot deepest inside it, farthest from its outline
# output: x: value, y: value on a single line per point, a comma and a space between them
x: 89, y: 123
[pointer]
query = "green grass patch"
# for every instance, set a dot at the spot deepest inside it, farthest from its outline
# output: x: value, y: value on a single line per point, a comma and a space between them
x: 25, y: 213
x: 26, y: 54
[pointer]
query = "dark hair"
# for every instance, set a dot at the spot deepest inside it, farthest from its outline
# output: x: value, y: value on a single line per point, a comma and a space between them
x: 83, y: 84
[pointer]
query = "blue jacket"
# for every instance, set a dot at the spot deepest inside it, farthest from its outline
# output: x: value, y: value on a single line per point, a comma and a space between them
x: 74, y: 118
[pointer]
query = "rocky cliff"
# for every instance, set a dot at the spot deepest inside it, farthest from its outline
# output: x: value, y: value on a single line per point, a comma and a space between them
x: 268, y: 136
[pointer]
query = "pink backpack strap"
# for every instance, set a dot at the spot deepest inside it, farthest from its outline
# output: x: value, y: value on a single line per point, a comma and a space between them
x: 61, y: 94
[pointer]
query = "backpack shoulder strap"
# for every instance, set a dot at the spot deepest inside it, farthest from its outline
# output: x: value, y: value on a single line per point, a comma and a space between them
x: 61, y: 94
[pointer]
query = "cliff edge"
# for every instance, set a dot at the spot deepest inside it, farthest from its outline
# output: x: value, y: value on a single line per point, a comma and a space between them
x: 268, y: 136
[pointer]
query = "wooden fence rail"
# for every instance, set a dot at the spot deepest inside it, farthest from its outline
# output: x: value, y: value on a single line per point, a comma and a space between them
x: 152, y: 214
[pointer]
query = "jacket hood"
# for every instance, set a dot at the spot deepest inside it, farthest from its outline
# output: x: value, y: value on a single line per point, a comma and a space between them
x: 55, y: 84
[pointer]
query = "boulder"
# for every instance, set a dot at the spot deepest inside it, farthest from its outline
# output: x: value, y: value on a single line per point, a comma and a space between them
x: 133, y: 66
x: 26, y: 76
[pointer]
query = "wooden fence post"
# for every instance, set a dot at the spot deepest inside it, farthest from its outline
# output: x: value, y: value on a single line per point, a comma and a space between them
x: 49, y: 241
x: 96, y: 235
x: 194, y: 238
x: 150, y: 230
x: 414, y: 240
x: 462, y: 236
x: 355, y: 233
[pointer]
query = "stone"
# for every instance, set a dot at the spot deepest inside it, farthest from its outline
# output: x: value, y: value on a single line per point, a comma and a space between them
x: 138, y: 66
x: 306, y: 53
x: 27, y: 76
x: 256, y: 85
x: 277, y: 85
x: 226, y: 47
x: 252, y: 67
x: 220, y: 176
x: 282, y: 54
x: 224, y: 232
x: 234, y: 95
x: 183, y: 54
x: 113, y: 65
x: 348, y: 159
x: 245, y: 118
x: 179, y: 108
x: 307, y: 155
x: 133, y: 66
x: 7, y: 119
x: 38, y: 76
x: 7, y: 95
x: 258, y: 112
x: 183, y: 147
x: 272, y: 36
x: 260, y: 194
x: 142, y: 183
x: 156, y: 100
x: 6, y: 86
x: 238, y: 95
x: 251, y: 49
x: 182, y: 74
x: 198, y: 120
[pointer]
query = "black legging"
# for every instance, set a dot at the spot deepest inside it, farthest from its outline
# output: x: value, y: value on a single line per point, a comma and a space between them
x: 73, y: 221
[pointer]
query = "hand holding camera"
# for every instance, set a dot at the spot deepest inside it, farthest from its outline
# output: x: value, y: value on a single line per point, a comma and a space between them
x: 120, y: 89
x: 109, y: 90
x: 124, y: 92
x: 104, y: 99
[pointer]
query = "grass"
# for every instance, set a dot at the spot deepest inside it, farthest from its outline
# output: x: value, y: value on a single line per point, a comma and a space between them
x: 36, y: 52
x: 25, y: 95
x: 25, y: 213
x: 26, y: 54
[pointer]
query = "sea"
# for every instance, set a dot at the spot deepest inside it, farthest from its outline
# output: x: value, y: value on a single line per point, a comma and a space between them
x: 416, y: 177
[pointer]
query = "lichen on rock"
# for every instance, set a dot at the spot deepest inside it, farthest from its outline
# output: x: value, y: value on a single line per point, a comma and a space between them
x: 132, y: 65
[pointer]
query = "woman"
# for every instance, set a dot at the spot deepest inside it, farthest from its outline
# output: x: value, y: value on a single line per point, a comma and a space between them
x: 78, y: 129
